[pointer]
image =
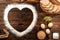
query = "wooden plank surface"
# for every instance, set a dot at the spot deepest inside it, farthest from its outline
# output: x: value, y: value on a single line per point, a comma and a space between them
x: 21, y: 19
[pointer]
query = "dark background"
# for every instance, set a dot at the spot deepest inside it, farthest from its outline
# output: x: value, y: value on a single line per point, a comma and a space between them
x: 20, y: 20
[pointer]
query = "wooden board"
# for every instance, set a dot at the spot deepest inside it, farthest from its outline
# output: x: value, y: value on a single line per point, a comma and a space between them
x: 21, y: 19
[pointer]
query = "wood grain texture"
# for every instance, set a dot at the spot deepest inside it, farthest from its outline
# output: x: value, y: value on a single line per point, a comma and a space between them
x: 21, y: 19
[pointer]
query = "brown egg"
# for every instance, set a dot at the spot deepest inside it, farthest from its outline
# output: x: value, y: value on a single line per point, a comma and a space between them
x: 48, y: 31
x: 41, y: 35
x: 50, y: 25
x: 43, y: 26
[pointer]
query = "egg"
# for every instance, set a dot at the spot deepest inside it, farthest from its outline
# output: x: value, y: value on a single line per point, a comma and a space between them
x: 48, y: 31
x: 50, y: 25
x: 43, y: 26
